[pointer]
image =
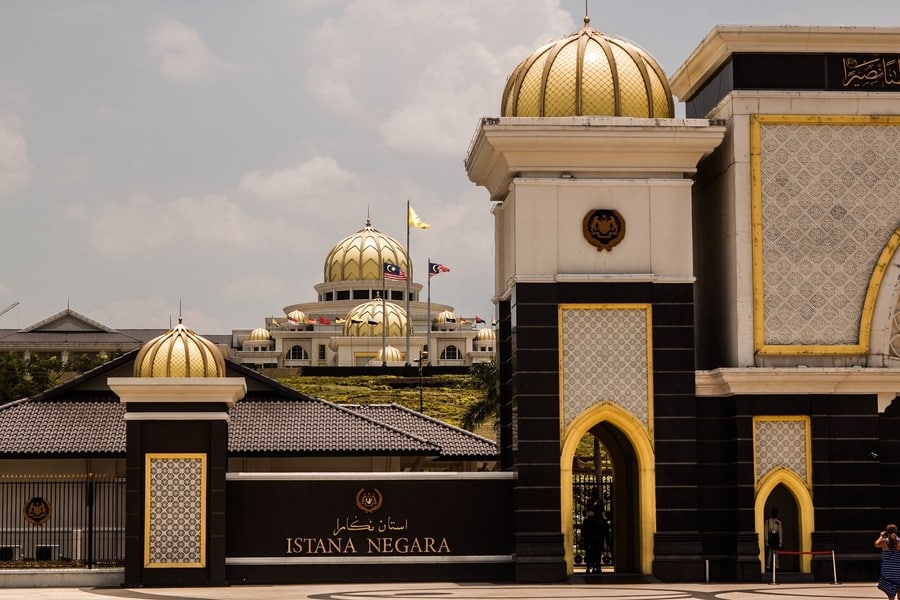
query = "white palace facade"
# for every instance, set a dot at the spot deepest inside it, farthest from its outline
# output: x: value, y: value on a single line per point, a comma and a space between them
x: 360, y: 318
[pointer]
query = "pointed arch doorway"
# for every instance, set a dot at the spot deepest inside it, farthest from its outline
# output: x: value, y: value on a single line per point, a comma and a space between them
x: 626, y: 458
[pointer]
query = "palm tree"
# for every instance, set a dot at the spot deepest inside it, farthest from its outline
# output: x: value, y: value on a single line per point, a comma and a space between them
x: 483, y: 378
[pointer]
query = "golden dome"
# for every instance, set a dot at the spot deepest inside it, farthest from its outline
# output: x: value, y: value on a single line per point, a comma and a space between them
x: 447, y: 316
x: 389, y: 354
x: 260, y: 334
x: 362, y: 256
x: 297, y: 316
x: 485, y: 334
x: 367, y: 318
x: 179, y: 352
x: 588, y: 73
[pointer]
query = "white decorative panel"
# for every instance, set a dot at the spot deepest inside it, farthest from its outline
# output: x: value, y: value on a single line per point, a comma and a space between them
x: 175, y: 510
x: 781, y: 442
x: 605, y: 357
x: 829, y: 204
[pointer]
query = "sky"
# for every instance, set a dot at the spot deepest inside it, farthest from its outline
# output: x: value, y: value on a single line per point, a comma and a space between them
x: 208, y: 154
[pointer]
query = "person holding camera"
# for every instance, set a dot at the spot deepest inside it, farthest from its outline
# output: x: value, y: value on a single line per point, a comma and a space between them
x: 889, y: 544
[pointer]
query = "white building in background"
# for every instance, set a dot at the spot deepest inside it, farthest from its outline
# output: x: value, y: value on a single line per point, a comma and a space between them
x: 360, y: 318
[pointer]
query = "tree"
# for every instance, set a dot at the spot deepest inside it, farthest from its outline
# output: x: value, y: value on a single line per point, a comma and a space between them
x: 483, y: 377
x: 22, y: 378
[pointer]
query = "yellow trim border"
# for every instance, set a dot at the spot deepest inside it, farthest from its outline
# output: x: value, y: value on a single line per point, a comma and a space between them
x: 640, y: 436
x: 865, y: 326
x: 148, y: 497
x: 636, y: 433
x: 800, y: 488
x: 805, y: 512
x: 648, y: 309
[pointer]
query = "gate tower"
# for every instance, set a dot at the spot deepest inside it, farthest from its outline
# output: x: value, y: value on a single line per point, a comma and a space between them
x: 590, y: 174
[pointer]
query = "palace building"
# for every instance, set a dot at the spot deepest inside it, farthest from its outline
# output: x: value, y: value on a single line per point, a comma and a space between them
x: 713, y: 298
x: 710, y: 303
x: 362, y: 318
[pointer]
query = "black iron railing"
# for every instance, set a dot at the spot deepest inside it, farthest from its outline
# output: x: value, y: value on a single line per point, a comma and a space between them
x: 62, y: 521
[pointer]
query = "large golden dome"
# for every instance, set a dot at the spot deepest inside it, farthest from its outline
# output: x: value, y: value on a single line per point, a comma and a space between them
x: 361, y: 256
x: 367, y: 319
x: 588, y: 73
x: 179, y: 352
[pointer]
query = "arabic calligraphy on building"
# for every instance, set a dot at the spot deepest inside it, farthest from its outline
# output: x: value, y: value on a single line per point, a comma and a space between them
x: 360, y: 535
x: 872, y: 71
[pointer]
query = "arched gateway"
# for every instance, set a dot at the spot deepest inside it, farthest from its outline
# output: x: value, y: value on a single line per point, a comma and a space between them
x: 703, y: 295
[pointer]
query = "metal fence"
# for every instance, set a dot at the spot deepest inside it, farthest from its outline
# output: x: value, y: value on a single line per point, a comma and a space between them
x: 584, y: 486
x: 62, y: 521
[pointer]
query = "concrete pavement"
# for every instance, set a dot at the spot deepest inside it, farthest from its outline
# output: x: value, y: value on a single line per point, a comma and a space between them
x: 462, y: 591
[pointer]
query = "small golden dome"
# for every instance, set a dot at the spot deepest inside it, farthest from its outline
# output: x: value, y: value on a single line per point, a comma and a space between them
x: 447, y: 316
x: 588, y: 73
x: 297, y: 316
x: 260, y: 334
x: 367, y: 318
x: 389, y: 354
x: 485, y: 334
x: 179, y: 352
x: 361, y: 256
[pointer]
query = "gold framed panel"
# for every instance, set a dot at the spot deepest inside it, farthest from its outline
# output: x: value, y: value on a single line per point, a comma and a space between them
x: 175, y: 510
x: 865, y: 324
x: 804, y: 421
x: 648, y: 335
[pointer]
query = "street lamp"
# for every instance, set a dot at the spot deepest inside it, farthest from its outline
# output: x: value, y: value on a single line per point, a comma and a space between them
x: 423, y: 357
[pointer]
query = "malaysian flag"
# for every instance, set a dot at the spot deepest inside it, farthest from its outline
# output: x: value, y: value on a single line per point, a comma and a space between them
x: 436, y: 268
x: 392, y: 271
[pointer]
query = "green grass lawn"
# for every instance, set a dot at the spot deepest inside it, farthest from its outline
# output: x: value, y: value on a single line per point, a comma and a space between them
x: 444, y: 397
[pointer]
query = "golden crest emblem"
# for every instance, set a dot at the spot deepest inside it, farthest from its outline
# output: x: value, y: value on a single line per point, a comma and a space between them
x: 36, y: 511
x: 603, y: 228
x: 369, y: 501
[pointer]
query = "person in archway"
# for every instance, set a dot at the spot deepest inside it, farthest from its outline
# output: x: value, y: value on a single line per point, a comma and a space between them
x: 888, y: 542
x: 590, y: 539
x: 773, y: 538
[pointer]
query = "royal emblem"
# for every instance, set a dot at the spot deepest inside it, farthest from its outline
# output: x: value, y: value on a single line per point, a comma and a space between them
x: 36, y: 511
x: 368, y: 501
x: 603, y: 228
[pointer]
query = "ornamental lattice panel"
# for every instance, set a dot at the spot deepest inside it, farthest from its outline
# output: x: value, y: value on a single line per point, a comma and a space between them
x: 605, y: 358
x: 176, y: 506
x: 829, y: 204
x: 781, y: 442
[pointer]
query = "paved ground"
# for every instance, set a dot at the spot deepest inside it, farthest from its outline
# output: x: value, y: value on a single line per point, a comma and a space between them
x: 452, y: 591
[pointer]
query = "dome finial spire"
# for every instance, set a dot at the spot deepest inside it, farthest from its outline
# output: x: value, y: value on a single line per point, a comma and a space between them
x: 587, y: 17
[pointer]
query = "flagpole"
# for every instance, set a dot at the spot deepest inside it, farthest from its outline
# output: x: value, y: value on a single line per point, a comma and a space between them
x: 428, y: 317
x: 409, y: 321
x: 383, y: 318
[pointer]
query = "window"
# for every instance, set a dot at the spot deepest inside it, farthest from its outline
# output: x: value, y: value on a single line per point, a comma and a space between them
x: 297, y: 353
x: 343, y: 295
x: 329, y: 296
x: 360, y: 294
x: 396, y: 295
x: 451, y: 353
x: 321, y: 351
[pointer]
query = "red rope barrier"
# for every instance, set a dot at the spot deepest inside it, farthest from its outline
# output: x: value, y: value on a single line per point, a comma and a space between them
x: 796, y: 552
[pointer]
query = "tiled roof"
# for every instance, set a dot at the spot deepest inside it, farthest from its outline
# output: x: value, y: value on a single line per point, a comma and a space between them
x: 80, y: 417
x: 90, y: 426
x: 454, y: 442
x: 315, y: 427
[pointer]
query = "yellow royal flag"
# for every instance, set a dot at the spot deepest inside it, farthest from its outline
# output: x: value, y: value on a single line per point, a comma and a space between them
x: 413, y: 219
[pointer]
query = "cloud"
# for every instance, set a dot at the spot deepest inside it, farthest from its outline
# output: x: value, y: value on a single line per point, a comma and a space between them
x: 180, y: 227
x: 423, y: 77
x: 15, y: 167
x: 180, y: 53
x: 318, y: 173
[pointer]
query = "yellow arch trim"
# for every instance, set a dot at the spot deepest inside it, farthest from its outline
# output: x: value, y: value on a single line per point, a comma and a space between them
x: 636, y: 433
x: 865, y: 323
x: 805, y: 510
